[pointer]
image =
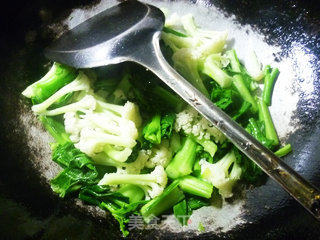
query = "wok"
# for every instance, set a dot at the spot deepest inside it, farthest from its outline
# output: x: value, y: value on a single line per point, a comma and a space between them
x: 285, y: 34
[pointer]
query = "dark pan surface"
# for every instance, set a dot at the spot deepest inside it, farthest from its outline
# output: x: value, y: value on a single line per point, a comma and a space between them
x: 28, y: 209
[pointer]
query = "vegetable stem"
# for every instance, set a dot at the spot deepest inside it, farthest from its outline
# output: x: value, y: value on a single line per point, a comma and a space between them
x: 55, y: 128
x: 238, y: 80
x: 133, y: 192
x: 265, y: 116
x: 270, y: 78
x: 183, y: 161
x: 196, y: 186
x: 244, y: 91
x: 284, y: 150
x: 170, y: 196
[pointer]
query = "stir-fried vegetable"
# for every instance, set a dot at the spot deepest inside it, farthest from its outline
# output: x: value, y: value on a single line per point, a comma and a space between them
x: 131, y: 146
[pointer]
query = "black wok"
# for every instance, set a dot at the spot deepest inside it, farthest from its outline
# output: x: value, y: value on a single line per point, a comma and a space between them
x: 29, y: 209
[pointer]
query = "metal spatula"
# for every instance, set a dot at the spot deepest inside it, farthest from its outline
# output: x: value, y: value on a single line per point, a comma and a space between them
x: 131, y: 31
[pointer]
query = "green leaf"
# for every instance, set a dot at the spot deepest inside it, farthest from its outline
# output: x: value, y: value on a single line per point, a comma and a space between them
x: 64, y: 100
x: 245, y: 109
x: 183, y: 210
x: 58, y: 76
x: 152, y: 131
x: 167, y: 123
x: 115, y: 202
x: 172, y: 31
x: 196, y: 203
x: 96, y: 194
x: 108, y: 85
x: 231, y: 102
x: 251, y: 173
x: 257, y: 129
x: 79, y: 170
x: 180, y: 211
x: 223, y: 98
x: 55, y: 128
x: 200, y: 154
x: 135, y: 152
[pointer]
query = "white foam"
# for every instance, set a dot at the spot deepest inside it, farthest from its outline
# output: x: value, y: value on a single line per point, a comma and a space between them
x: 38, y: 143
x: 214, y: 219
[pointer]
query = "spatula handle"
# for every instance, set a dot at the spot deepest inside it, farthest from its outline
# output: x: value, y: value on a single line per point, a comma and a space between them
x: 299, y: 188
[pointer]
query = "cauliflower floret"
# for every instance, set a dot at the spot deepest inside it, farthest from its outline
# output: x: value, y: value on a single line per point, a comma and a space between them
x: 253, y: 66
x: 161, y: 155
x: 81, y: 83
x: 192, y: 123
x: 102, y: 127
x: 154, y: 189
x: 153, y: 183
x: 131, y: 112
x: 136, y: 166
x: 218, y: 173
x: 85, y: 104
x: 93, y: 141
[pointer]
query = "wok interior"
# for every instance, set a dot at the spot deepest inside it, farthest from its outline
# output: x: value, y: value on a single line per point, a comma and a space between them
x: 26, y: 166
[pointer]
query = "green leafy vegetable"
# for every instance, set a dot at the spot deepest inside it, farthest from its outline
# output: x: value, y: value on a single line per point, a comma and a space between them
x: 223, y: 98
x: 152, y: 131
x: 196, y: 186
x: 244, y: 110
x: 170, y: 196
x: 231, y: 102
x: 183, y: 210
x: 183, y: 161
x: 257, y: 129
x: 111, y: 161
x: 58, y: 76
x: 55, y: 128
x: 195, y: 203
x: 133, y: 192
x: 269, y: 80
x: 64, y: 100
x: 180, y: 211
x: 200, y: 154
x: 284, y: 150
x: 167, y: 122
x: 238, y: 81
x: 251, y: 173
x: 135, y: 152
x: 78, y: 170
x: 117, y: 204
x: 264, y: 115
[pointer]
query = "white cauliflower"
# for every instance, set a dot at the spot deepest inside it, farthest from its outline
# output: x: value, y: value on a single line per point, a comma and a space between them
x: 153, y: 183
x: 122, y: 167
x: 109, y: 128
x: 192, y: 123
x: 160, y: 156
x: 219, y: 174
x: 81, y: 83
x: 191, y: 51
x: 94, y: 125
